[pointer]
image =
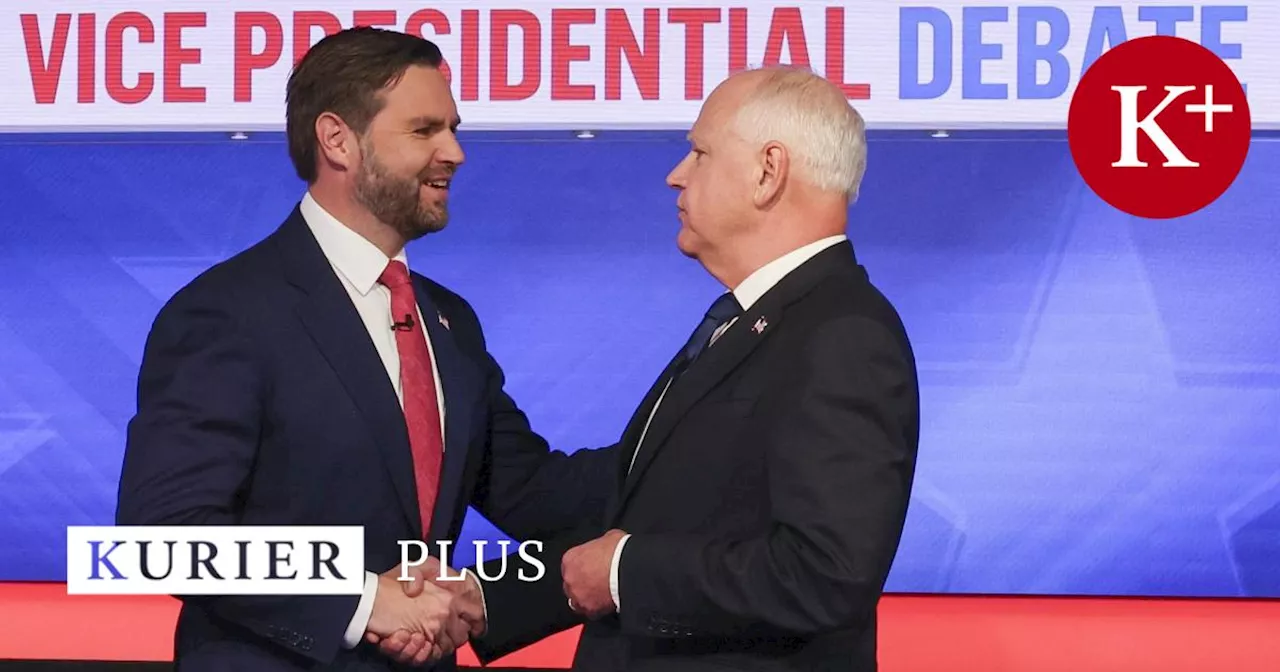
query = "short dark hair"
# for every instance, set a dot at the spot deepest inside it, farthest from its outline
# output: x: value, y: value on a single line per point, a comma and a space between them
x: 343, y: 74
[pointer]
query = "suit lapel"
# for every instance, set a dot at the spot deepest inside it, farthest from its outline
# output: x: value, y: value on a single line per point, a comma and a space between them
x: 457, y: 380
x: 637, y: 424
x: 719, y: 360
x: 635, y: 427
x: 333, y: 323
x: 711, y: 367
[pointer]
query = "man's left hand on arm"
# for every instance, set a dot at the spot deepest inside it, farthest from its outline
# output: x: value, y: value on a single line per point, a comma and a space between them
x: 585, y: 570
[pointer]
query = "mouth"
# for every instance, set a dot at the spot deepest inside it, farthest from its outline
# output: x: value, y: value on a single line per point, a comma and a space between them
x: 441, y: 185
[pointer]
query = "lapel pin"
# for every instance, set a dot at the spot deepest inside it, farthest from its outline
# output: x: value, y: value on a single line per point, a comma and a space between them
x: 444, y: 321
x: 759, y: 326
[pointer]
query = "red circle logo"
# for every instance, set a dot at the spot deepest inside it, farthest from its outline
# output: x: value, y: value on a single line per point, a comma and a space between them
x: 1159, y: 127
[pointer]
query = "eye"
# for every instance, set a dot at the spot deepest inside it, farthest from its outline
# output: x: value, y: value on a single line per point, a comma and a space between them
x: 430, y: 127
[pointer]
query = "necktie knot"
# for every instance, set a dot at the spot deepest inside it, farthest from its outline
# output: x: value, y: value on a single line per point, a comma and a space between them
x: 395, y: 275
x: 724, y: 309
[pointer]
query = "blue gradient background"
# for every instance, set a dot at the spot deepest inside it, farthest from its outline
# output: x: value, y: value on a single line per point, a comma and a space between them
x: 1101, y: 394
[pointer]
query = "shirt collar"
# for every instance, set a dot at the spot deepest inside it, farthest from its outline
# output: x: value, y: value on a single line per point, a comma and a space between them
x: 765, y: 277
x: 352, y: 255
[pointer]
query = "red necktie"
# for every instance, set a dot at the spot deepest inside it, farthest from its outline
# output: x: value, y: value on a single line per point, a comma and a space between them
x: 418, y: 387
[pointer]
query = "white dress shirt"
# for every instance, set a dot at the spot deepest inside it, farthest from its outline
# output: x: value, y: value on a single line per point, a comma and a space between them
x: 359, y: 263
x: 747, y: 293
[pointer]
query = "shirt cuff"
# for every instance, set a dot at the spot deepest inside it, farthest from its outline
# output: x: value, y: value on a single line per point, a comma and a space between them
x: 613, y: 571
x: 360, y: 621
x: 484, y: 606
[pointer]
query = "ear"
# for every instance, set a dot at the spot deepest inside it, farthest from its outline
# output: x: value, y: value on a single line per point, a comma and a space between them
x: 773, y: 168
x: 338, y: 144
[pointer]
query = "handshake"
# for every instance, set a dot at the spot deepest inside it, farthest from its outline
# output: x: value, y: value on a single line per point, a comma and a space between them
x: 430, y: 617
x: 425, y: 619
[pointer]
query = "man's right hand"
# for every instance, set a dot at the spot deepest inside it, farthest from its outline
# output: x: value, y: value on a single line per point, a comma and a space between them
x: 418, y: 622
x: 464, y: 586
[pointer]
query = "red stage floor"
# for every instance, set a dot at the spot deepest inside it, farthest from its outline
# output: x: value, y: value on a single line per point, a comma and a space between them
x: 918, y: 633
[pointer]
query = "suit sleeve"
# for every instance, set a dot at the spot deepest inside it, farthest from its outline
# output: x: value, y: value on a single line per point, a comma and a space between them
x: 842, y: 429
x: 190, y: 453
x: 532, y: 492
x: 525, y: 488
x: 522, y: 612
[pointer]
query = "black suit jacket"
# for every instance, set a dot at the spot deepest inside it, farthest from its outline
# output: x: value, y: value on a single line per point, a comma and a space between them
x: 769, y: 497
x: 262, y: 401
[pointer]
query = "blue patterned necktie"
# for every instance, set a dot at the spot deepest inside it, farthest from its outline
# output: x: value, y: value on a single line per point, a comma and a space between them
x: 724, y: 309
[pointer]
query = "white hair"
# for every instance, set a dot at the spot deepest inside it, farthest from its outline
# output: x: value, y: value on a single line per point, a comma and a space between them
x: 824, y: 134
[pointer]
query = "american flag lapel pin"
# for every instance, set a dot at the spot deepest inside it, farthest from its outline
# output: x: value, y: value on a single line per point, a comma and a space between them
x: 759, y: 326
x: 444, y: 321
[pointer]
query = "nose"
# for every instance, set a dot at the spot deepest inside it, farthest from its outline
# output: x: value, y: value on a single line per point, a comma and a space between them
x: 451, y: 151
x: 676, y: 178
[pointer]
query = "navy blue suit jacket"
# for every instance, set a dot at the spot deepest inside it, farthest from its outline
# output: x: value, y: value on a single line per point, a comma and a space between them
x: 262, y: 401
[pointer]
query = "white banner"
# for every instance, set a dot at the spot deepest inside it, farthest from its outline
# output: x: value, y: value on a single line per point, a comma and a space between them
x: 215, y: 560
x: 183, y: 64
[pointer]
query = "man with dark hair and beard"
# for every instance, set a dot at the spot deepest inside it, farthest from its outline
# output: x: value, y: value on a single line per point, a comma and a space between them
x: 313, y: 379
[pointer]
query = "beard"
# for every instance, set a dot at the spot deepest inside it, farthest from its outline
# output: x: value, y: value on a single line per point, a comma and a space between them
x: 395, y: 201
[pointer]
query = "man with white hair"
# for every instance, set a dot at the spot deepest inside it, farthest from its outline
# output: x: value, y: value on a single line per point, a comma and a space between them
x: 763, y: 481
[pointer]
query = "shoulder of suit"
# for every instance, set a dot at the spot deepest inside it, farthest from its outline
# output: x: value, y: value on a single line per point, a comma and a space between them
x: 844, y: 295
x: 847, y: 287
x: 232, y: 282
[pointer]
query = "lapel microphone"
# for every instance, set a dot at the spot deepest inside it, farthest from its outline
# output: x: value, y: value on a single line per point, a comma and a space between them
x: 406, y: 325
